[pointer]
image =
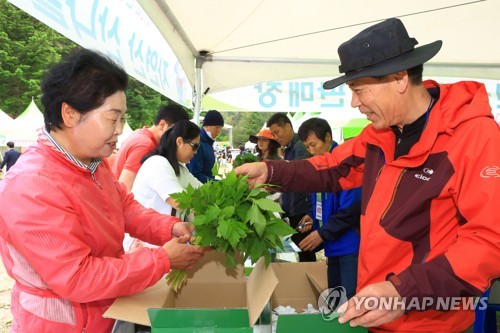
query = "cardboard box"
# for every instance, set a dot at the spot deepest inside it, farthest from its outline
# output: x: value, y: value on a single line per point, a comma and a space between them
x: 220, y: 300
x: 215, y: 299
x: 301, y: 284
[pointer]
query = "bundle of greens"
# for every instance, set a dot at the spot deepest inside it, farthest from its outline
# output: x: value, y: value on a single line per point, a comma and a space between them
x: 242, y: 159
x: 231, y: 218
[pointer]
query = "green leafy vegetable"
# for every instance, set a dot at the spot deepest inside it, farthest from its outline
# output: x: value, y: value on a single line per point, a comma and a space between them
x: 232, y: 219
x: 242, y: 159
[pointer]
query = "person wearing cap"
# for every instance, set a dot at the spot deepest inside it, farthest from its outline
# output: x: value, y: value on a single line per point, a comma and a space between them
x: 203, y: 161
x: 266, y: 147
x: 429, y: 167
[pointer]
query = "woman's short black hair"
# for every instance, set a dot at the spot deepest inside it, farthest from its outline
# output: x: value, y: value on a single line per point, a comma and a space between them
x: 84, y: 80
x: 167, y: 148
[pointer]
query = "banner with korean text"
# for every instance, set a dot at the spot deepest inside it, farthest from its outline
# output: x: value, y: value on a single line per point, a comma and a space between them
x: 121, y: 30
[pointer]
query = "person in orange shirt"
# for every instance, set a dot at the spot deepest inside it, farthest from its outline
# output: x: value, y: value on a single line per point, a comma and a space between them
x: 127, y: 161
x: 429, y: 168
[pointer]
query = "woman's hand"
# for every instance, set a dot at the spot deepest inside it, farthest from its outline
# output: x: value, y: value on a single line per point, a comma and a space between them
x: 183, y: 229
x: 181, y: 254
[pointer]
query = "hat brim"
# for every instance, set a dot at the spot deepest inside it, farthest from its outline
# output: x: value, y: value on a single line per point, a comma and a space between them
x: 255, y: 138
x: 404, y: 61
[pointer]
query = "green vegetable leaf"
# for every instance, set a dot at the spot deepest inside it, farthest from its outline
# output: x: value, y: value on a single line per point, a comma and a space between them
x: 232, y: 231
x: 199, y: 220
x: 228, y: 211
x: 242, y: 211
x: 212, y: 213
x: 256, y: 219
x: 269, y: 205
x: 279, y: 228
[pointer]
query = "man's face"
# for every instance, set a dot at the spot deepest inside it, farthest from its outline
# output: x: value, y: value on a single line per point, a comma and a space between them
x: 282, y: 134
x: 378, y: 100
x: 316, y: 146
x: 214, y: 130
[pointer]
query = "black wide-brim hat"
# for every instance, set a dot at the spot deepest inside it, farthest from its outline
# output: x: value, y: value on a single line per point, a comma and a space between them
x: 382, y: 49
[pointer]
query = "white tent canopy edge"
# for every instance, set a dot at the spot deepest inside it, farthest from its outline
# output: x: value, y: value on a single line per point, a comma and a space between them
x: 226, y: 44
x: 219, y: 45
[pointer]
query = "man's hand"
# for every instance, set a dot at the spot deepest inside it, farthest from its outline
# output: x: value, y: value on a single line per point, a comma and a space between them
x: 256, y: 172
x: 182, y: 255
x: 362, y: 313
x: 305, y: 224
x: 312, y: 241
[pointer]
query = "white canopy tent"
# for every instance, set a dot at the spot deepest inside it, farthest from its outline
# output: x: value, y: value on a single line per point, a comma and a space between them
x: 224, y: 44
x: 27, y: 125
x: 218, y: 45
x: 6, y: 126
x: 127, y: 130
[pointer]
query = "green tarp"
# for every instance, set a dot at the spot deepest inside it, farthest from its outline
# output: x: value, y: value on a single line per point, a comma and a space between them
x: 353, y: 127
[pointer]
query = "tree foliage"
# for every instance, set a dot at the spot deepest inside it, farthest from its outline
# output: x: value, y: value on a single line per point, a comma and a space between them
x: 245, y: 124
x: 27, y: 49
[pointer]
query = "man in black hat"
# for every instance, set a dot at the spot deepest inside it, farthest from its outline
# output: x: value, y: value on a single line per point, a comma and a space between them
x: 430, y: 171
x: 202, y: 163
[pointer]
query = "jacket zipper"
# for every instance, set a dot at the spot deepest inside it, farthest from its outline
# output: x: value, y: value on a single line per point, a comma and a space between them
x: 95, y: 180
x: 84, y: 314
x: 393, y: 194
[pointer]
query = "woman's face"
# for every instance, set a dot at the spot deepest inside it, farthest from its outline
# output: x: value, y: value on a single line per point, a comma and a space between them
x: 186, y: 149
x: 263, y: 144
x: 95, y: 133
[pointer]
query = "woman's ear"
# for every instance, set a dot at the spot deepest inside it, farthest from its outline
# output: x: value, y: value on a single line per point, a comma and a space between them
x: 70, y: 116
x: 179, y: 141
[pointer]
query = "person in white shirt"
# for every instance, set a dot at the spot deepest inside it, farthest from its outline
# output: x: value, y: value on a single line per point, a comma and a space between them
x: 163, y: 172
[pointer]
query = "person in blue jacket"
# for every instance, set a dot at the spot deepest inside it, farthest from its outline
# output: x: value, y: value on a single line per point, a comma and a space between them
x: 10, y: 157
x: 334, y: 217
x: 202, y: 163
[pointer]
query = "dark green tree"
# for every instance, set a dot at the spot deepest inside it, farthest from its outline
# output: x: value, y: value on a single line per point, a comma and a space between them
x: 244, y: 124
x: 28, y: 47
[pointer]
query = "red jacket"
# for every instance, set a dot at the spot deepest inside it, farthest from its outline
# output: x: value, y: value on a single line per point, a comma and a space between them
x: 430, y: 221
x: 61, y: 233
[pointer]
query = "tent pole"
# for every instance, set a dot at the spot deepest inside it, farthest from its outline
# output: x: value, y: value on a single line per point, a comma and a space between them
x: 198, y: 88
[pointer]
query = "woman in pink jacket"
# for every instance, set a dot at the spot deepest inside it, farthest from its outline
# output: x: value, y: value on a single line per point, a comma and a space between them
x: 63, y: 215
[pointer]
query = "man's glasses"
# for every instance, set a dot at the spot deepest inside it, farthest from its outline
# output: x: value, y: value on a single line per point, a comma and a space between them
x: 193, y: 145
